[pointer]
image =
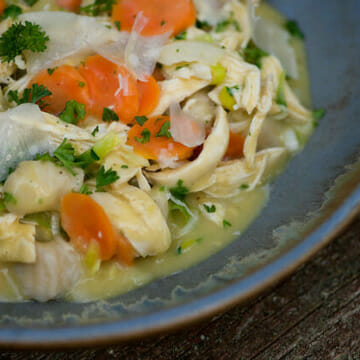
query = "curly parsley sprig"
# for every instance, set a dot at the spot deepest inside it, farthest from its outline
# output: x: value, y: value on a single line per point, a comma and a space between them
x: 20, y: 37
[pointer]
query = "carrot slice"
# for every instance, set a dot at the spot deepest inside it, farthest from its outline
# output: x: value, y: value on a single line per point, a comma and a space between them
x: 235, y: 147
x: 70, y: 5
x: 149, y: 95
x: 150, y: 141
x: 111, y: 86
x: 65, y: 84
x: 2, y: 6
x: 164, y: 15
x: 85, y: 221
x: 125, y: 253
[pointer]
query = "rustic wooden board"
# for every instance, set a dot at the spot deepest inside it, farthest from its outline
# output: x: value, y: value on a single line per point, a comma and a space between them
x: 314, y: 314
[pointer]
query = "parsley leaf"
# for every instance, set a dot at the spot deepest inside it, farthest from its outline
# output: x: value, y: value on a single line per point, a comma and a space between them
x: 141, y: 120
x: 280, y: 97
x: 181, y: 36
x: 203, y: 25
x: 19, y: 37
x: 210, y: 209
x: 85, y: 190
x: 293, y: 28
x: 179, y: 192
x: 65, y: 153
x: 51, y: 70
x: 33, y: 95
x: 118, y: 25
x: 95, y: 131
x: 97, y: 7
x: 9, y: 198
x: 86, y: 159
x: 145, y: 137
x: 226, y: 224
x: 164, y: 131
x: 319, y: 114
x: 73, y: 112
x: 31, y: 2
x: 182, y: 208
x: 244, y: 186
x: 104, y: 178
x: 12, y: 11
x: 253, y: 55
x: 230, y: 90
x: 109, y: 115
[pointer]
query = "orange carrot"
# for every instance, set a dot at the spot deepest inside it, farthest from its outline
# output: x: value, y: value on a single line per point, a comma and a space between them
x: 153, y: 141
x: 111, y: 86
x: 163, y: 15
x: 70, y: 5
x: 149, y: 95
x: 85, y: 221
x: 235, y: 147
x: 65, y: 83
x: 125, y: 253
x: 2, y: 6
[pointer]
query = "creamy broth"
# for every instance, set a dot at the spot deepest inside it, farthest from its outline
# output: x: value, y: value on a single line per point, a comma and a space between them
x: 202, y: 241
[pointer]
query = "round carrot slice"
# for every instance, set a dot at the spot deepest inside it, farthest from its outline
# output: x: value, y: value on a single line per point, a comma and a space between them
x: 65, y: 84
x: 149, y: 95
x: 164, y: 15
x: 2, y: 6
x: 111, y: 86
x: 85, y: 221
x: 153, y: 141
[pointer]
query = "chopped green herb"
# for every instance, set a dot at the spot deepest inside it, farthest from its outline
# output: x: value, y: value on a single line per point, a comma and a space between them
x: 226, y: 224
x: 81, y: 84
x: 85, y: 190
x: 104, y: 178
x: 109, y: 115
x: 318, y: 114
x: 141, y: 120
x: 9, y: 198
x: 187, y: 244
x: 11, y: 11
x: 124, y: 166
x: 51, y: 70
x: 65, y: 153
x: 203, y: 25
x: 232, y: 89
x: 33, y: 95
x: 182, y: 66
x: 118, y: 25
x: 181, y: 36
x: 293, y: 28
x: 244, y: 186
x: 181, y: 207
x: 177, y: 50
x: 95, y: 131
x: 98, y: 7
x: 164, y: 131
x: 73, y: 113
x: 145, y: 137
x: 162, y: 23
x: 253, y: 55
x: 179, y: 192
x: 210, y: 209
x: 86, y: 159
x: 162, y: 188
x: 31, y: 2
x: 223, y: 25
x: 19, y: 37
x: 280, y: 97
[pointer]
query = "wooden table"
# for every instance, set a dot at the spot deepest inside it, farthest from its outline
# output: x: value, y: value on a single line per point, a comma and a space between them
x: 315, y: 314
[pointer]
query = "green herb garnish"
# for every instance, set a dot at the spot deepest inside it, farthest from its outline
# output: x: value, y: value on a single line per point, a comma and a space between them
x: 73, y: 113
x: 293, y: 28
x: 109, y: 115
x: 104, y: 178
x: 141, y: 120
x: 33, y: 95
x: 164, y: 131
x: 145, y: 137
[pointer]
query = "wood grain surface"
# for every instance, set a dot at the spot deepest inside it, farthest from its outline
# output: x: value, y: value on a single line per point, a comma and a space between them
x: 314, y: 314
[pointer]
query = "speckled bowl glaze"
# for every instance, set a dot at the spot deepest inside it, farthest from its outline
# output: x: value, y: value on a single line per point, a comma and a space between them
x: 310, y: 203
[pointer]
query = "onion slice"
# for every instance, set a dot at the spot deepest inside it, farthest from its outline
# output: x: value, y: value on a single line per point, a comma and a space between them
x: 184, y: 129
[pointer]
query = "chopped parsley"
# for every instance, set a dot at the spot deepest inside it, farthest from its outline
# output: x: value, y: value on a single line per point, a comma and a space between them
x: 210, y: 209
x: 223, y: 25
x: 280, y: 97
x: 95, y: 131
x: 203, y: 25
x: 226, y: 224
x: 85, y: 190
x: 231, y: 90
x: 293, y: 28
x: 145, y: 137
x: 86, y: 159
x: 179, y: 192
x: 9, y: 198
x: 65, y: 153
x: 109, y: 115
x: 81, y: 84
x: 118, y: 25
x: 181, y: 36
x: 11, y: 11
x: 164, y: 131
x: 124, y: 166
x: 98, y: 7
x: 104, y: 178
x: 253, y: 55
x: 182, y: 208
x: 20, y: 37
x: 244, y: 186
x: 318, y: 115
x: 31, y: 2
x: 73, y: 112
x: 33, y: 95
x: 162, y: 23
x: 51, y: 70
x: 141, y: 120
